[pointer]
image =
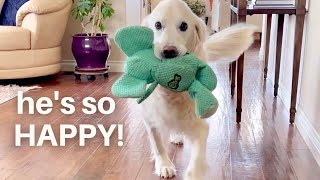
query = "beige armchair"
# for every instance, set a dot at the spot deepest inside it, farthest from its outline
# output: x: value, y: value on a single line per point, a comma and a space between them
x: 33, y: 47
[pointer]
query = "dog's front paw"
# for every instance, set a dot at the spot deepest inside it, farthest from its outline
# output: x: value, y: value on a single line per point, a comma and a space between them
x: 176, y: 139
x: 165, y: 169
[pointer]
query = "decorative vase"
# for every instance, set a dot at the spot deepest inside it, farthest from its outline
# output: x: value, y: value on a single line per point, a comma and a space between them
x: 91, y: 52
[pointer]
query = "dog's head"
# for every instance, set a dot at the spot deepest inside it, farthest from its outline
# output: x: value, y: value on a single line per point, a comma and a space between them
x: 176, y: 28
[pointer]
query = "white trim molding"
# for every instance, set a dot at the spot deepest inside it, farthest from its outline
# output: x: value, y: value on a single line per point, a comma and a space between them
x: 115, y: 66
x: 306, y: 129
x: 285, y: 96
x: 309, y: 134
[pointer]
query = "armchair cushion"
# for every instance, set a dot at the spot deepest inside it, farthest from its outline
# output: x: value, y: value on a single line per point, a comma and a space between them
x: 40, y: 7
x: 1, y: 5
x: 9, y: 11
x: 14, y: 38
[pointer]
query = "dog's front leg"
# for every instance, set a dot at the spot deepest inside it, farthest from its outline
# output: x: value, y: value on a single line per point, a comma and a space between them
x: 197, y: 134
x: 163, y: 165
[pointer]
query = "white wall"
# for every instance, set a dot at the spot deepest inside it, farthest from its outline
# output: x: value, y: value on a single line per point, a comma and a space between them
x: 310, y: 91
x: 286, y: 54
x: 221, y: 16
x: 133, y: 12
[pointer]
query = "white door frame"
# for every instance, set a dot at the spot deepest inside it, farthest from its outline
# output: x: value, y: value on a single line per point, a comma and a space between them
x: 133, y: 12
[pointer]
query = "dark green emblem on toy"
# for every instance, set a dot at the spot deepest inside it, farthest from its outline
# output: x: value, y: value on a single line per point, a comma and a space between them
x: 174, y: 83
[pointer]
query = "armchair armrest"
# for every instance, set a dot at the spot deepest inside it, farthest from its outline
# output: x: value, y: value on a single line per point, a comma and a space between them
x: 40, y: 7
x: 46, y: 20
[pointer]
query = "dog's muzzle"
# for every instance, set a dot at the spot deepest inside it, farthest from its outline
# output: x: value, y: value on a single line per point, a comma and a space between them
x: 169, y: 52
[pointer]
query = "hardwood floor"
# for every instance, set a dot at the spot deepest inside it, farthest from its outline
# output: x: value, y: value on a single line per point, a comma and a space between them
x: 263, y: 146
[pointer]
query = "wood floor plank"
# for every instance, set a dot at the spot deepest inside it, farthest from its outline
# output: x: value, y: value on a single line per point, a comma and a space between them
x: 274, y: 161
x: 304, y: 158
x: 131, y: 154
x: 64, y: 119
x: 108, y: 156
x: 245, y: 159
x: 264, y: 115
x: 263, y: 106
x: 26, y: 119
x: 105, y: 156
x: 133, y: 161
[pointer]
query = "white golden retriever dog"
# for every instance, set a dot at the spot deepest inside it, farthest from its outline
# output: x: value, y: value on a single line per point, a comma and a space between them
x: 177, y: 31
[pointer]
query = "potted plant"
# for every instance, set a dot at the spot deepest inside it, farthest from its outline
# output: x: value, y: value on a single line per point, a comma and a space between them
x: 91, y: 48
x: 199, y: 8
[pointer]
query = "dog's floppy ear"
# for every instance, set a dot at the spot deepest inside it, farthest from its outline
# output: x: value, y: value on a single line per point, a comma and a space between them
x: 145, y: 21
x: 201, y: 30
x: 199, y: 34
x: 230, y: 43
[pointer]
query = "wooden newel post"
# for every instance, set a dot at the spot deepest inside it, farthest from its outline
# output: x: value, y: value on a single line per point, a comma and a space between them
x: 300, y: 15
x: 242, y: 15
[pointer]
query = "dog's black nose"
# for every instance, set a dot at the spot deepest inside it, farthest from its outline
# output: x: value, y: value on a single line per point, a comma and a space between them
x: 170, y: 52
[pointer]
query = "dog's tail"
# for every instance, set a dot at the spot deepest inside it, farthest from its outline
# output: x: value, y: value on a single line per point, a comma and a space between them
x: 229, y: 43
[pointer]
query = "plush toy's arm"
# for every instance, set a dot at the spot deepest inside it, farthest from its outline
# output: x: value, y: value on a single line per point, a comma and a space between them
x: 129, y: 87
x: 138, y: 68
x: 133, y: 39
x: 206, y: 76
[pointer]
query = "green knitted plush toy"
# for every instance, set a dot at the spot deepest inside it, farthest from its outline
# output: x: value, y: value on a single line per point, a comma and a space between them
x: 184, y: 73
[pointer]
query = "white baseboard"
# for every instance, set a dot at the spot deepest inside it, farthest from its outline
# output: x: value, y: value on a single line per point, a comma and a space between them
x: 115, y: 66
x: 261, y: 54
x: 285, y: 96
x: 68, y: 65
x: 309, y: 134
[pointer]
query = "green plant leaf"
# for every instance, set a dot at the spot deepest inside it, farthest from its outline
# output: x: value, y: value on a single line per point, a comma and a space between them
x: 87, y: 8
x: 102, y: 28
x: 104, y: 9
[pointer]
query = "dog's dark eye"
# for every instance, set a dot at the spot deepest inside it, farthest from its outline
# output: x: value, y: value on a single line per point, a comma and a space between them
x: 183, y: 26
x: 158, y: 25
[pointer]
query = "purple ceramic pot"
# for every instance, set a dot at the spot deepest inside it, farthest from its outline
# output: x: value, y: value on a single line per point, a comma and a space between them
x: 91, y: 52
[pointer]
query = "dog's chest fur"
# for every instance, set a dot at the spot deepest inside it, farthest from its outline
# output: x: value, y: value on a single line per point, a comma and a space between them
x: 166, y: 108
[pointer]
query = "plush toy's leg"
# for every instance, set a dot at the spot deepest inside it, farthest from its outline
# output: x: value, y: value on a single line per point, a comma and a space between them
x: 205, y: 103
x: 151, y: 88
x: 207, y: 77
x: 129, y: 87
